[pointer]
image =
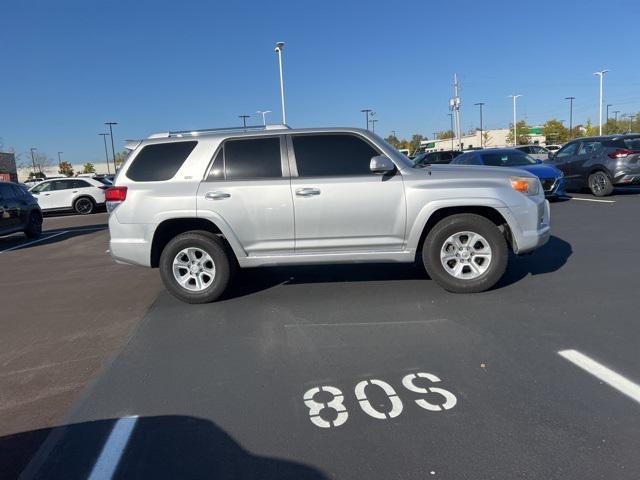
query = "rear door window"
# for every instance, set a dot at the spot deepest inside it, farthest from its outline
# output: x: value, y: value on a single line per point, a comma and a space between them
x: 589, y: 147
x: 567, y: 150
x: 159, y: 162
x: 252, y: 158
x: 332, y: 155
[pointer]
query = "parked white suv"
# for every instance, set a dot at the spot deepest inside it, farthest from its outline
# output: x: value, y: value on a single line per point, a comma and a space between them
x: 196, y: 204
x: 83, y: 195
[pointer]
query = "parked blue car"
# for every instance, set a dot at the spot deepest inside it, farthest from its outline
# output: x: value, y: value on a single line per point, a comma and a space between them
x: 551, y: 178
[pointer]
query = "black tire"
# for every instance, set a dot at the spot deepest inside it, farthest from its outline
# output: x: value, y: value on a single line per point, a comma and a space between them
x: 217, y: 250
x: 34, y: 226
x: 84, y: 205
x: 465, y: 222
x: 600, y: 184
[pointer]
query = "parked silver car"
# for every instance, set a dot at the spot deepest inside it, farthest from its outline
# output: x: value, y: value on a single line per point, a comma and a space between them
x: 535, y: 151
x: 197, y: 204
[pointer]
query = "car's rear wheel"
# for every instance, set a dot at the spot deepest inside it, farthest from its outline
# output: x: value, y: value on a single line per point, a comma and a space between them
x: 600, y: 184
x: 83, y: 206
x: 34, y: 226
x: 195, y: 267
x: 465, y: 253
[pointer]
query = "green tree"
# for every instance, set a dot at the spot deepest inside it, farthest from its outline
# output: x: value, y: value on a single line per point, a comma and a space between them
x: 66, y: 169
x: 88, y: 168
x: 393, y: 140
x: 522, y: 131
x: 414, y: 144
x: 444, y: 135
x: 555, y: 132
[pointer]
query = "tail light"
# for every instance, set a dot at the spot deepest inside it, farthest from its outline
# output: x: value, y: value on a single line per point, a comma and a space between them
x: 114, y: 196
x: 620, y: 153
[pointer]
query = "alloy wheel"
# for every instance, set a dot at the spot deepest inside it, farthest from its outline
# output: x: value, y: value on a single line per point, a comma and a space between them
x: 465, y: 255
x: 194, y: 269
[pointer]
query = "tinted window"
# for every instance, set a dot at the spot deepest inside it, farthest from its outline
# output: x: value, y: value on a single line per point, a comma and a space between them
x: 61, y: 184
x: 255, y: 158
x: 589, y: 147
x: 159, y: 162
x: 567, y: 150
x: 507, y: 159
x: 466, y: 159
x: 104, y: 181
x: 525, y: 149
x: 18, y: 191
x: 217, y: 169
x: 42, y: 187
x: 332, y: 155
x: 78, y: 184
x: 6, y: 192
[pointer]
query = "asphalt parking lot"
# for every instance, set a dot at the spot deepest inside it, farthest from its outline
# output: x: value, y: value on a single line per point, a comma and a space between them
x: 359, y: 372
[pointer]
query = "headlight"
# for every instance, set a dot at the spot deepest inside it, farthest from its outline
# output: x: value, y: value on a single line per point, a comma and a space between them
x: 526, y: 185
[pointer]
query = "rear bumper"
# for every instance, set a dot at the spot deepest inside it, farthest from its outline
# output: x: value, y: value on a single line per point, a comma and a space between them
x: 129, y: 242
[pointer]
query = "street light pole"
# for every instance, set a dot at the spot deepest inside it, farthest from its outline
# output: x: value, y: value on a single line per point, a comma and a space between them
x: 113, y: 149
x: 480, y: 104
x: 571, y: 99
x: 600, y: 74
x: 616, y: 112
x: 33, y: 161
x: 59, y: 160
x: 279, y: 48
x: 515, y: 128
x: 106, y: 152
x: 244, y: 120
x: 264, y: 116
x: 451, y: 118
x: 373, y: 125
x: 366, y: 114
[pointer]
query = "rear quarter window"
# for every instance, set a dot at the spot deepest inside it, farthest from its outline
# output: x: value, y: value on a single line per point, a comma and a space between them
x: 160, y: 161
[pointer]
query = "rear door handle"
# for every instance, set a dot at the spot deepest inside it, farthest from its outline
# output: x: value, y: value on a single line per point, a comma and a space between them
x: 307, y: 192
x: 216, y: 195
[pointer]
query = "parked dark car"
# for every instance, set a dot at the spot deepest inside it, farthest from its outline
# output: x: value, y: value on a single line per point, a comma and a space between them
x: 600, y: 163
x: 19, y: 211
x: 550, y: 177
x: 435, y: 158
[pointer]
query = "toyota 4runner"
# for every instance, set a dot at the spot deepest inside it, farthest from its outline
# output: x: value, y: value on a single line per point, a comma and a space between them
x: 199, y: 204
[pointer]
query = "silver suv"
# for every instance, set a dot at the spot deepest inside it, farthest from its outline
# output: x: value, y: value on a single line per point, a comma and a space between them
x: 199, y: 204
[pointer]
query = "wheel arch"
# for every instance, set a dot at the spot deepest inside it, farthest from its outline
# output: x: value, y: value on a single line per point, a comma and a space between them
x: 170, y: 228
x: 489, y: 212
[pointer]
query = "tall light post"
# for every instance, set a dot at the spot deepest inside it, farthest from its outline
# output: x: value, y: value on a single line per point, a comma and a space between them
x: 631, y: 119
x: 264, y: 116
x: 515, y: 128
x: 113, y: 148
x: 33, y: 161
x: 571, y: 99
x: 59, y: 159
x: 452, y: 134
x: 480, y: 104
x: 373, y: 124
x: 106, y: 152
x: 393, y: 132
x: 366, y: 114
x: 278, y: 49
x: 616, y: 112
x: 600, y: 75
x: 244, y: 119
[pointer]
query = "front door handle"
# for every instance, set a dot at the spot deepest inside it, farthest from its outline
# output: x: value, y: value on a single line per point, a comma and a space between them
x: 307, y: 192
x: 216, y: 195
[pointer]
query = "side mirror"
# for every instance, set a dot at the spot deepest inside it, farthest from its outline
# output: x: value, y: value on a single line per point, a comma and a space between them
x: 381, y: 164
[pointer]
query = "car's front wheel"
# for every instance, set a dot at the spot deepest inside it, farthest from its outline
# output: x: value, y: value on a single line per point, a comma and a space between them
x: 600, y: 184
x: 195, y: 267
x: 465, y: 253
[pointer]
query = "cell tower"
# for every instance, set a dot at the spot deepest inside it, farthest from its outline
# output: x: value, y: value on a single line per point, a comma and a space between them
x: 454, y: 106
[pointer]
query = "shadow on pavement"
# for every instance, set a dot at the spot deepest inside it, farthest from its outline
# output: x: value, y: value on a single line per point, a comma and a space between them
x: 549, y: 258
x: 172, y: 447
x: 19, y: 241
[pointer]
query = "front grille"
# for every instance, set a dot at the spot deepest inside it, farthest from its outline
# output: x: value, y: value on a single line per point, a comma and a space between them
x: 548, y: 184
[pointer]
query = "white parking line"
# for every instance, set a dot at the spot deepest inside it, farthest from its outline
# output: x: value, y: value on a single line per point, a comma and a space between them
x: 41, y: 239
x: 603, y: 373
x: 113, y: 449
x: 363, y: 324
x: 592, y: 200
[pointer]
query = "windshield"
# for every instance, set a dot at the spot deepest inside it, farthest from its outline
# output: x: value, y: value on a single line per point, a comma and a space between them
x: 507, y: 159
x: 632, y: 143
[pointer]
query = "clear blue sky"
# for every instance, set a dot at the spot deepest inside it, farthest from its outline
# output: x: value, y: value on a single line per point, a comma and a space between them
x: 68, y: 66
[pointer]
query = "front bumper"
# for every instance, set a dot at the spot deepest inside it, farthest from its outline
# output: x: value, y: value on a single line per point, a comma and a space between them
x: 529, y: 224
x: 557, y: 188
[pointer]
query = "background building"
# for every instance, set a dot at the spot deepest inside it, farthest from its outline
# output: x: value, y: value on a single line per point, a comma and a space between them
x: 488, y: 139
x: 8, y: 170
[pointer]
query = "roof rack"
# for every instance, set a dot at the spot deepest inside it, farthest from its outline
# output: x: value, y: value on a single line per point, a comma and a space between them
x: 195, y: 133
